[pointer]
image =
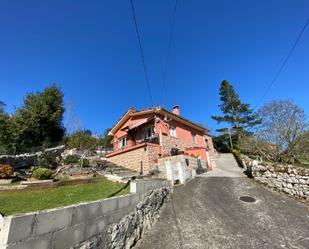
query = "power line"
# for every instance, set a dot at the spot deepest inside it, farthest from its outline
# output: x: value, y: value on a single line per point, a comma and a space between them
x: 168, y: 50
x: 281, y: 67
x: 141, y: 53
x: 283, y: 64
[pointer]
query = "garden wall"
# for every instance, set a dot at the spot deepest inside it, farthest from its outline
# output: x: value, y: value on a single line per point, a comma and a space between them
x: 286, y: 178
x: 29, y: 159
x: 116, y: 222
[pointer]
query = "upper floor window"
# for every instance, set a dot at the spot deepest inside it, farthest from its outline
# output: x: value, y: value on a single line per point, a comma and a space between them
x: 207, y: 144
x: 122, y: 142
x: 148, y: 132
x: 193, y: 138
x: 172, y: 131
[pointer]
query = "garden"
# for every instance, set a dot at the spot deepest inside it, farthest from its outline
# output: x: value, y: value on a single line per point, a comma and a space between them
x: 34, y: 199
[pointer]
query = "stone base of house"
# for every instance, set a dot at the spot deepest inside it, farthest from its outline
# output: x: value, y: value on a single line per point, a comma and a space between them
x: 141, y: 158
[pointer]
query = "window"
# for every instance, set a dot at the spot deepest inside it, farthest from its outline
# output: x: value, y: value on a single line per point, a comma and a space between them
x: 172, y: 131
x: 148, y: 132
x: 207, y: 144
x: 193, y: 138
x: 122, y: 142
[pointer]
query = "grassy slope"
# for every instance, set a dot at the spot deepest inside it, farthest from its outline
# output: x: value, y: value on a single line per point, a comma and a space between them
x: 22, y: 201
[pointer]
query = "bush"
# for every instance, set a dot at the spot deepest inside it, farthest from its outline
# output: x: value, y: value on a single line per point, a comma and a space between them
x: 42, y: 174
x: 47, y: 160
x: 84, y: 162
x: 71, y: 159
x: 6, y: 171
x: 237, y: 155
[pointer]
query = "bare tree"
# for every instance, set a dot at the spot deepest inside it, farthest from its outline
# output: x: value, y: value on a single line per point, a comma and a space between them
x: 283, y: 122
x: 72, y: 122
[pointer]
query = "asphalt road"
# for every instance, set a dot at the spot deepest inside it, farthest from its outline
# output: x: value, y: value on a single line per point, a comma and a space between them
x: 207, y: 213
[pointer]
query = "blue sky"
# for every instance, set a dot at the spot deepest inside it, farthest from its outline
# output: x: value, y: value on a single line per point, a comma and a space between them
x: 90, y: 49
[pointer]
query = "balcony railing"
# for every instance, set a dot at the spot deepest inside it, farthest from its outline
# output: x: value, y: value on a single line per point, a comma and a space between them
x: 153, y: 139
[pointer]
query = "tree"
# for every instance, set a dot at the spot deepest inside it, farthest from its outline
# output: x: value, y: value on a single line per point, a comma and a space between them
x: 82, y: 140
x: 283, y: 122
x: 302, y: 147
x: 72, y: 122
x: 4, y: 133
x: 2, y: 106
x: 106, y: 139
x: 37, y: 122
x: 237, y: 114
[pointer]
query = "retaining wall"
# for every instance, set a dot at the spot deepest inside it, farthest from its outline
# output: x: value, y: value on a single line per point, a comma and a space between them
x: 289, y: 179
x: 136, y: 159
x: 181, y: 166
x: 29, y: 159
x: 99, y: 224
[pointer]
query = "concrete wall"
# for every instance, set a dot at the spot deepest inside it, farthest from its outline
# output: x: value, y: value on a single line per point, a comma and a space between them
x: 71, y: 226
x: 189, y: 166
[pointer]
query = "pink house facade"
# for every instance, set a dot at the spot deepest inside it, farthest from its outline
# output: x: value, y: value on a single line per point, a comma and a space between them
x: 140, y: 138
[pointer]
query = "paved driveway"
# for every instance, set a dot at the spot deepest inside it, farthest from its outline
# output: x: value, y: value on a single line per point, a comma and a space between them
x: 206, y: 213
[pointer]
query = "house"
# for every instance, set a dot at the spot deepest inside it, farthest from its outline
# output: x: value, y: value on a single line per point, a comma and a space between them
x: 140, y: 138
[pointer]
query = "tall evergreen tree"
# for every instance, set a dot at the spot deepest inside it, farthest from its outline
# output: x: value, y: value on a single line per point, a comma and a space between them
x: 40, y: 118
x: 238, y: 115
x: 2, y: 106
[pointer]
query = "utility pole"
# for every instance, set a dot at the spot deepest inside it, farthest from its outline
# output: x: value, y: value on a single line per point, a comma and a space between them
x: 230, y: 138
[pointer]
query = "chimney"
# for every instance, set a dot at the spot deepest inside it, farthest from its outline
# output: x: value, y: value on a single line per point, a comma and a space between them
x: 176, y: 110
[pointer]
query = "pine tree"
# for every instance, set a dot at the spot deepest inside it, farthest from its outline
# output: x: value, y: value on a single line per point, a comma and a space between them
x: 236, y: 113
x: 2, y: 106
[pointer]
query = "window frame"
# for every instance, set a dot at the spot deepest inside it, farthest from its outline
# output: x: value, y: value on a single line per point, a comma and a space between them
x: 122, y: 142
x: 173, y: 129
x: 193, y: 135
x: 146, y: 130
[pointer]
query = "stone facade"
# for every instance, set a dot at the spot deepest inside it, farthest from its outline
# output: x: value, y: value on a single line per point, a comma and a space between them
x: 141, y: 159
x: 169, y: 142
x: 289, y: 179
x: 116, y: 222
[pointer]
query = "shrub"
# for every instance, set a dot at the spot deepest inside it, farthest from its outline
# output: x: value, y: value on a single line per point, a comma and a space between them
x: 42, y: 174
x: 71, y: 159
x: 6, y: 171
x: 237, y: 155
x: 84, y: 162
x: 47, y: 160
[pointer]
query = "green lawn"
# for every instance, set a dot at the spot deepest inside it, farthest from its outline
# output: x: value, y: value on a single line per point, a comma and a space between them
x: 27, y: 200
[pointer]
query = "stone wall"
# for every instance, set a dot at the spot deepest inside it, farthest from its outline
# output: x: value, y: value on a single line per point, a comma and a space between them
x: 286, y: 178
x: 116, y: 222
x: 29, y: 159
x: 136, y: 159
x: 169, y: 142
